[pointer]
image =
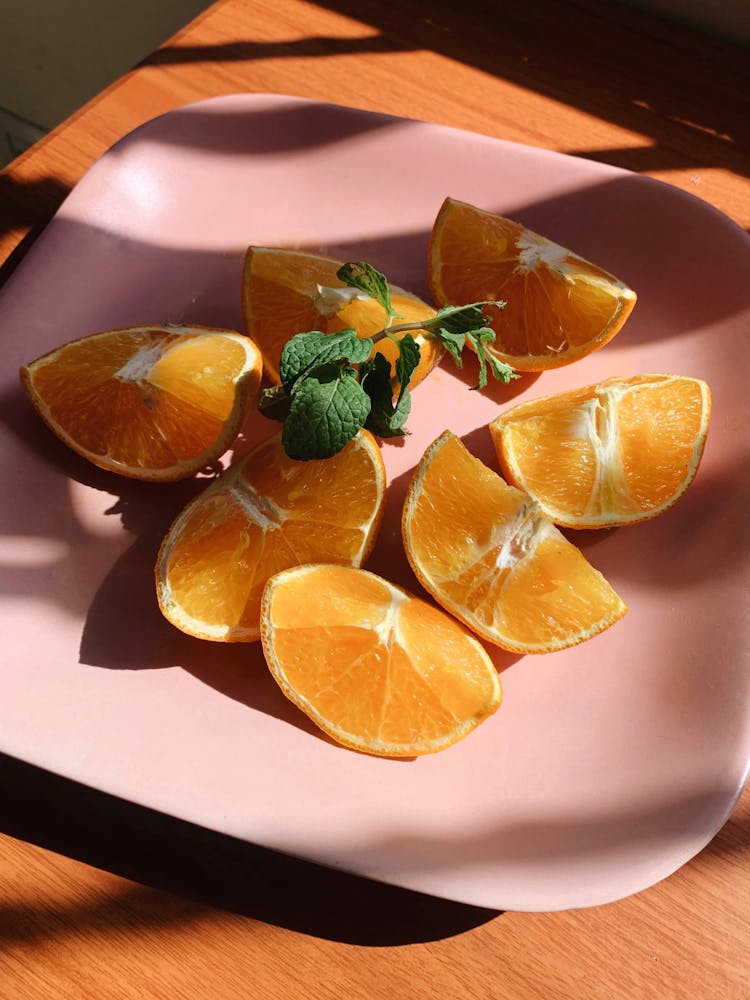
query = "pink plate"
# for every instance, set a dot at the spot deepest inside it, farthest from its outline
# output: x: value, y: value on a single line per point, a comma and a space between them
x: 610, y: 764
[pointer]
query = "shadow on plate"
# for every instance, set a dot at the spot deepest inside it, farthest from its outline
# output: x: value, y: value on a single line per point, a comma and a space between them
x: 287, y: 128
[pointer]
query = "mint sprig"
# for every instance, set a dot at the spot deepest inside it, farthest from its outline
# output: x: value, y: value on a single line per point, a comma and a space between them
x: 456, y: 326
x: 334, y: 384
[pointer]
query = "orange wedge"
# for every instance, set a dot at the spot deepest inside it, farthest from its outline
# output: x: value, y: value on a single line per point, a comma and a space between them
x: 375, y: 668
x: 264, y: 514
x: 486, y: 552
x: 286, y: 292
x: 150, y: 402
x: 559, y: 307
x: 614, y: 453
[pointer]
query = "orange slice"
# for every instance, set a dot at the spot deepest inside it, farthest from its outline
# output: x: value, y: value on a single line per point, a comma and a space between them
x: 487, y: 553
x: 559, y: 307
x: 150, y: 402
x: 614, y: 453
x: 286, y: 292
x: 374, y: 667
x: 264, y: 514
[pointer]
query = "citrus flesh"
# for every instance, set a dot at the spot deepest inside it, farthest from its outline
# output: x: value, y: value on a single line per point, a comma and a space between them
x: 559, y: 307
x: 149, y: 402
x: 609, y: 454
x: 285, y: 292
x: 264, y: 514
x: 487, y: 553
x: 376, y: 668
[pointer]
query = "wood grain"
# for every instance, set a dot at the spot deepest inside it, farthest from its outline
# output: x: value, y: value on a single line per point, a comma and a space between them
x: 105, y: 900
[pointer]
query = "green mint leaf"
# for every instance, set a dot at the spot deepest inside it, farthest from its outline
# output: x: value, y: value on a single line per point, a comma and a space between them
x: 328, y: 408
x: 384, y: 419
x: 501, y: 371
x: 454, y: 342
x: 407, y: 361
x: 375, y: 378
x: 306, y: 351
x: 274, y: 403
x: 406, y: 364
x: 477, y: 339
x: 401, y: 412
x: 361, y: 275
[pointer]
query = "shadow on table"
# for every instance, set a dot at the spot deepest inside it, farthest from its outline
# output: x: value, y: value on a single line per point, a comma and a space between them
x: 686, y: 123
x: 207, y: 869
x: 698, y: 120
x: 184, y: 870
x: 250, y: 50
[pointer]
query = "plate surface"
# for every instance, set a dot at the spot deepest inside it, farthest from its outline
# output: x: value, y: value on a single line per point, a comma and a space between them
x: 609, y: 765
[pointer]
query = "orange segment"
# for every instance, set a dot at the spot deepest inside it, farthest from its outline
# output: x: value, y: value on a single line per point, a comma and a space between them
x: 559, y: 307
x: 262, y: 515
x: 150, y: 402
x: 486, y: 552
x: 374, y: 667
x: 609, y: 454
x: 286, y: 292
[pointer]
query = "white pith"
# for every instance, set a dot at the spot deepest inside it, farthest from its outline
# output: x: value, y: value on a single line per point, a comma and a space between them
x: 139, y: 366
x: 328, y: 301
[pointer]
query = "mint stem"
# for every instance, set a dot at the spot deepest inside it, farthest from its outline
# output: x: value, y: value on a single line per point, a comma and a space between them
x: 398, y: 328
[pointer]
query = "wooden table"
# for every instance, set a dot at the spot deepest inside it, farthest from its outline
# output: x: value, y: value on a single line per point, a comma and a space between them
x: 102, y: 899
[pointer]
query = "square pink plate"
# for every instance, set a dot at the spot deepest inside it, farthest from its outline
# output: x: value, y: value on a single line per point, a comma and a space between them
x: 609, y: 765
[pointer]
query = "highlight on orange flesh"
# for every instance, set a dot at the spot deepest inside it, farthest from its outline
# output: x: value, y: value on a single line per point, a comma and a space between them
x: 614, y: 453
x: 559, y: 307
x: 266, y: 513
x: 488, y: 554
x: 149, y: 402
x: 376, y: 668
x: 285, y: 292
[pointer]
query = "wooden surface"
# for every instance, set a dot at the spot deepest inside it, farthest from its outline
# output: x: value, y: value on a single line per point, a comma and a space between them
x: 102, y: 899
